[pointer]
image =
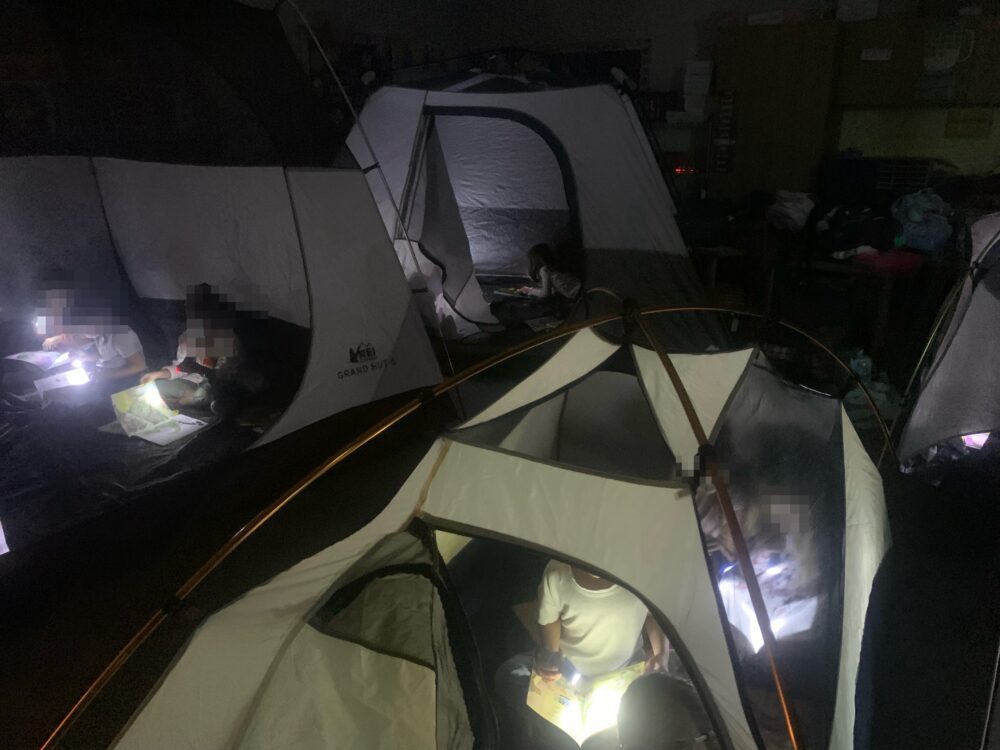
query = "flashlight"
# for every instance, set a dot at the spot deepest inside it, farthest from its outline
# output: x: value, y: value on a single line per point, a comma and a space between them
x: 570, y: 672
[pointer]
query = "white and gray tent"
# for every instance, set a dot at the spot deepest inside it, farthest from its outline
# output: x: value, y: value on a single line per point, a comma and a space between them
x: 305, y: 245
x: 362, y: 643
x: 480, y: 172
x: 960, y: 392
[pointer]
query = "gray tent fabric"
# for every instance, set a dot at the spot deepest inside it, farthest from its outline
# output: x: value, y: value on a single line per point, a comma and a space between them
x: 961, y: 391
x: 526, y: 167
x: 176, y: 225
x: 520, y: 203
x: 284, y: 658
x: 51, y: 217
x: 305, y: 245
x: 442, y: 236
x: 368, y: 340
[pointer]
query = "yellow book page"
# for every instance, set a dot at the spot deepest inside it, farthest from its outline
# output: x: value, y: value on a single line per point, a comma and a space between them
x: 586, y: 709
x: 140, y: 408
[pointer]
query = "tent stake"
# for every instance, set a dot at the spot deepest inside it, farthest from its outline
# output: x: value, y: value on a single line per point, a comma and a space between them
x: 725, y: 501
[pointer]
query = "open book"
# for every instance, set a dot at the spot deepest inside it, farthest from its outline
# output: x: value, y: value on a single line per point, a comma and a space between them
x: 585, y: 709
x: 41, y: 360
x: 141, y: 412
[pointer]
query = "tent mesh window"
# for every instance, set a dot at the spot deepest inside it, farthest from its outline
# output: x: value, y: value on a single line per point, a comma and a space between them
x: 780, y: 447
x: 601, y: 423
x: 394, y: 613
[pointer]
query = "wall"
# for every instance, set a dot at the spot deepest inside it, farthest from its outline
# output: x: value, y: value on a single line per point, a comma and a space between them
x: 437, y: 27
x: 675, y: 30
x: 919, y: 132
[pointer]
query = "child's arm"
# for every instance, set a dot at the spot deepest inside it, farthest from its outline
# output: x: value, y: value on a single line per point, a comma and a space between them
x: 551, y: 635
x: 659, y: 646
x: 543, y: 291
x: 547, y: 661
x: 134, y: 364
x: 162, y: 374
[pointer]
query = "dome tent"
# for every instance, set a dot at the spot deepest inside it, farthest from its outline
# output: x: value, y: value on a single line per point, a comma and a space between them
x: 481, y: 172
x: 960, y: 396
x: 322, y: 310
x: 305, y: 245
x: 579, y: 461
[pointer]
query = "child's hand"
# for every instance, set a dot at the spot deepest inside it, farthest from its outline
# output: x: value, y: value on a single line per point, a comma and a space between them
x: 655, y: 663
x: 547, y: 664
x: 149, y: 377
x: 54, y: 342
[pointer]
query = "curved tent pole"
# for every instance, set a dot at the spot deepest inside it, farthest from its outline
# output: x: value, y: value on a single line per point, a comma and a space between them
x: 271, y: 510
x: 710, y: 468
x: 241, y: 535
x: 378, y: 167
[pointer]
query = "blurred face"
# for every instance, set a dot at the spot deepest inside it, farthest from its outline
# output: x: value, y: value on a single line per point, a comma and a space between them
x: 51, y: 313
x: 207, y: 339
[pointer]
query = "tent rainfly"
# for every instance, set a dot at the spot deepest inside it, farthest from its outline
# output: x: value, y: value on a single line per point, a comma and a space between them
x: 481, y: 172
x: 960, y: 394
x: 362, y: 645
x: 305, y: 245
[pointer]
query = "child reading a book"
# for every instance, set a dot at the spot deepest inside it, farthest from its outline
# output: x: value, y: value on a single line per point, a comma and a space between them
x: 593, y: 623
x: 207, y: 344
x: 553, y: 279
x: 114, y: 349
x: 588, y: 627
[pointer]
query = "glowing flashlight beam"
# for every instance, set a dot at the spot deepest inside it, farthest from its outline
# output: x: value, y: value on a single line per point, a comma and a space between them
x: 76, y: 376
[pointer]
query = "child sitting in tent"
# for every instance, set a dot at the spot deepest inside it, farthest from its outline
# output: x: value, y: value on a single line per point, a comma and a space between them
x: 554, y: 279
x: 207, y: 344
x: 93, y: 327
x: 587, y: 625
x: 210, y: 370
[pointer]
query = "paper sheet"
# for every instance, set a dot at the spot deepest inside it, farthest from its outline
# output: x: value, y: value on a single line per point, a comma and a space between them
x: 172, y: 430
x: 76, y: 376
x: 142, y: 412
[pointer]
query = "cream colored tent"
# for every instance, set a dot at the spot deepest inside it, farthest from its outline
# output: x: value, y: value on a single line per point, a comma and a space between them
x: 587, y: 460
x: 491, y: 165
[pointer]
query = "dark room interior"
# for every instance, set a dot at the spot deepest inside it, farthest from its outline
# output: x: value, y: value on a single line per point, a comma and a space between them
x: 501, y: 375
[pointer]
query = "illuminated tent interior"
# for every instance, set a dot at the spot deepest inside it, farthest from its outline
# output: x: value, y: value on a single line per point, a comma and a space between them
x: 489, y: 166
x: 301, y: 252
x: 365, y: 642
x: 959, y: 401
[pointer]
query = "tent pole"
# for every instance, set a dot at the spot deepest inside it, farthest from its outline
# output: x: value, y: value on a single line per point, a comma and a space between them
x: 286, y: 497
x: 725, y: 501
x: 378, y: 167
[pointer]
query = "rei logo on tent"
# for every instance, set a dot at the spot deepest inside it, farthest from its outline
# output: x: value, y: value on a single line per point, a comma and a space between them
x: 363, y: 352
x: 364, y: 360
